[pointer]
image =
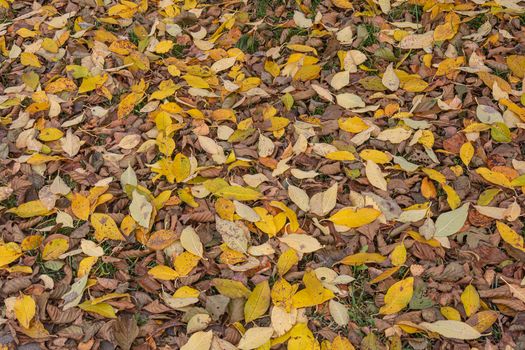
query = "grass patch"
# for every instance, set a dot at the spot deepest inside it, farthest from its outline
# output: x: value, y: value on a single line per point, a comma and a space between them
x: 477, y: 21
x: 369, y: 33
x: 248, y: 43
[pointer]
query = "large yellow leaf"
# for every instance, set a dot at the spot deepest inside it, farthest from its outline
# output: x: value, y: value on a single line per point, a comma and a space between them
x: 163, y: 272
x: 510, y: 236
x: 30, y: 209
x: 231, y: 289
x: 355, y: 217
x: 470, y: 300
x: 363, y: 258
x: 258, y: 302
x: 9, y: 252
x: 398, y: 296
x: 80, y: 206
x: 105, y: 227
x: 25, y: 309
x: 313, y: 294
x: 55, y: 248
x: 494, y: 177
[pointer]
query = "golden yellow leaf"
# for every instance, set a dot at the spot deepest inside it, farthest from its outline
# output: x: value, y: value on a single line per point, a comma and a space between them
x: 398, y: 296
x: 164, y: 46
x: 398, y: 255
x: 30, y: 59
x: 105, y: 227
x: 53, y: 249
x: 9, y: 252
x: 362, y: 258
x: 25, y: 310
x: 80, y: 206
x: 313, y: 294
x: 494, y: 177
x: 161, y: 239
x: 258, y: 302
x: 163, y: 272
x: 341, y: 343
x: 510, y: 236
x: 85, y: 265
x: 470, y: 300
x: 351, y: 217
x: 30, y: 209
x: 272, y: 68
x: 195, y: 81
x: 231, y: 289
x: 453, y: 199
x: 375, y: 156
x: 353, y: 124
x: 286, y: 261
x: 450, y: 313
x: 102, y: 309
x: 185, y: 262
x: 466, y: 152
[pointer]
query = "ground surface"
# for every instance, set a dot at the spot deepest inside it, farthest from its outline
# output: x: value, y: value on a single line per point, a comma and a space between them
x: 318, y: 174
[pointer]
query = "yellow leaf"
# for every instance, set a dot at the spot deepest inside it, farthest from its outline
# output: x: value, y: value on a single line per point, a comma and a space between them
x: 510, y: 236
x: 92, y: 83
x: 127, y: 104
x: 344, y: 4
x: 30, y: 59
x: 483, y: 320
x: 163, y: 272
x: 313, y: 294
x: 30, y: 243
x: 272, y: 68
x: 105, y: 227
x: 341, y: 343
x: 80, y: 206
x: 453, y: 199
x: 414, y: 85
x: 286, y: 261
x: 185, y: 262
x: 351, y: 217
x: 30, y: 209
x: 435, y: 175
x: 470, y: 300
x: 341, y: 156
x: 55, y: 248
x: 61, y: 84
x: 224, y: 114
x: 164, y: 46
x: 195, y: 81
x: 238, y: 193
x: 353, y: 125
x: 85, y: 265
x: 102, y: 309
x: 447, y: 30
x: 25, y: 310
x: 282, y: 293
x: 50, y: 134
x: 398, y: 296
x: 269, y: 224
x: 385, y: 274
x: 494, y: 177
x: 307, y: 72
x: 466, y: 152
x: 362, y: 258
x: 398, y: 255
x: 161, y: 239
x: 9, y: 252
x: 516, y: 64
x: 375, y: 156
x: 231, y: 289
x: 181, y: 167
x: 258, y: 302
x: 450, y: 313
x: 302, y: 338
